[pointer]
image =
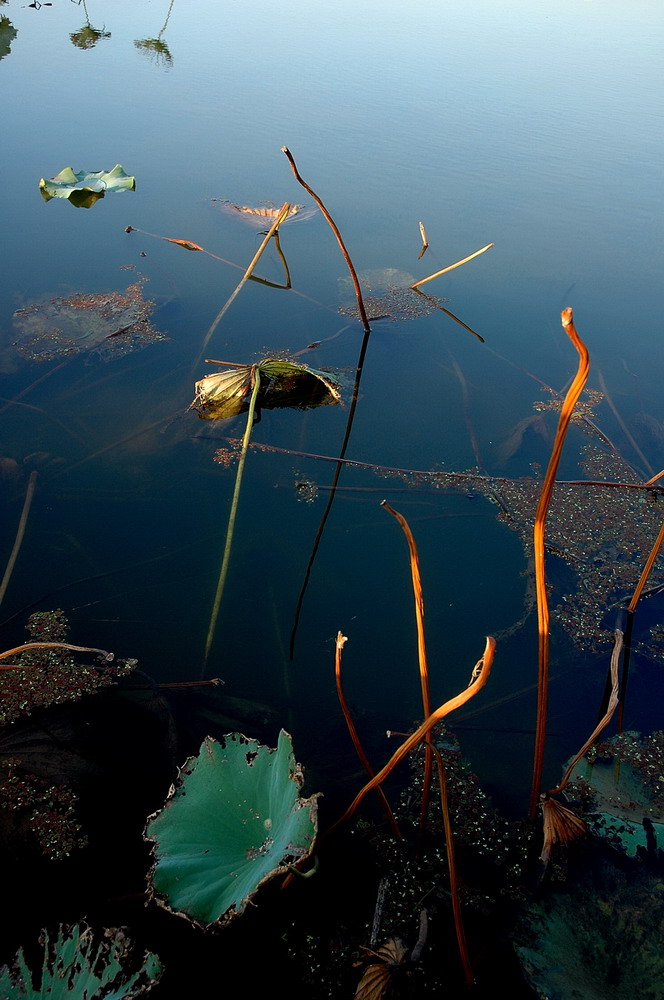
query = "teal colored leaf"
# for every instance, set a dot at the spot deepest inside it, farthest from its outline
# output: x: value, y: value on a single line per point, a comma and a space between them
x: 80, y: 965
x: 233, y: 820
x: 85, y: 188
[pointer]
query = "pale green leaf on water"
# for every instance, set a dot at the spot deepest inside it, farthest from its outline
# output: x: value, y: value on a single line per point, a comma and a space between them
x: 84, y: 188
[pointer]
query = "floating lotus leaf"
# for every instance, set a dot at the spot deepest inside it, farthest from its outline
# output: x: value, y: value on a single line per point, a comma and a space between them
x: 233, y: 820
x: 111, y: 324
x: 83, y: 189
x: 282, y: 384
x: 261, y: 215
x: 80, y: 965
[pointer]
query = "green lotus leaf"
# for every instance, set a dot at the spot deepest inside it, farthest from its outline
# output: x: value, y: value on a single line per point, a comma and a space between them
x: 282, y: 384
x: 233, y: 820
x: 85, y: 188
x: 80, y: 965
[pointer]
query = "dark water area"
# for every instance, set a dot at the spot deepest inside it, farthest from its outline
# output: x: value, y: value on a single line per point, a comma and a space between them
x: 535, y: 127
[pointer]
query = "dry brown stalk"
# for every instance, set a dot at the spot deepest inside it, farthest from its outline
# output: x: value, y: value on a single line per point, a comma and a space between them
x: 29, y: 493
x: 638, y: 590
x: 335, y: 230
x: 27, y: 646
x: 571, y: 398
x: 654, y: 552
x: 451, y: 267
x: 425, y: 241
x: 283, y: 212
x: 479, y: 677
x: 451, y: 867
x: 560, y: 826
x: 422, y: 661
x: 340, y: 643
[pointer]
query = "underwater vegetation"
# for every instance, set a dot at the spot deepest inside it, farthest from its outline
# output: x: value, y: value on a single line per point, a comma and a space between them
x: 104, y: 324
x: 444, y: 870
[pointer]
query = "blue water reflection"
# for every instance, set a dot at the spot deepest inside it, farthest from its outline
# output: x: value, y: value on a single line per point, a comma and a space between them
x: 535, y: 126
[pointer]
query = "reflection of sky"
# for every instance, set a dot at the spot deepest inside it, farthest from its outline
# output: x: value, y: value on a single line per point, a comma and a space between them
x: 537, y: 125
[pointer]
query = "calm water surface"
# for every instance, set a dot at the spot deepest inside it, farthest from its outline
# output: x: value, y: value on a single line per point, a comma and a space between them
x: 537, y: 127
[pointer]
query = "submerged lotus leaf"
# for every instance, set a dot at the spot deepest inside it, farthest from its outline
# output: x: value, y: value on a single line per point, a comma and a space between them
x: 111, y: 324
x: 387, y: 294
x: 599, y: 938
x: 80, y: 965
x: 84, y: 188
x: 233, y: 820
x: 620, y: 785
x: 282, y: 384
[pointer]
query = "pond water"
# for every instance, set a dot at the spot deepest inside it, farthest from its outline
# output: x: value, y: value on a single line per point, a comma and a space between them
x: 532, y: 126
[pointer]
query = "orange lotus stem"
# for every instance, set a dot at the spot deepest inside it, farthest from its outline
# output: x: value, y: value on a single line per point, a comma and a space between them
x: 451, y: 867
x: 340, y: 643
x: 479, y: 677
x: 543, y: 618
x: 422, y: 660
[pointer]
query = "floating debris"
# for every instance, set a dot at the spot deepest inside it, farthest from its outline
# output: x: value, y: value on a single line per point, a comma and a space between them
x: 108, y: 324
x: 389, y: 296
x: 40, y: 677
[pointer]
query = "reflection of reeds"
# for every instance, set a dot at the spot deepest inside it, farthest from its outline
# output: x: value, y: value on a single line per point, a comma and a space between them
x: 543, y: 617
x: 353, y: 401
x: 29, y: 493
x: 283, y: 212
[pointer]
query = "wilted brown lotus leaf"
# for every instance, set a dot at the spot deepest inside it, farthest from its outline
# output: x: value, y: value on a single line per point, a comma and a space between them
x: 380, y: 979
x: 258, y: 215
x: 282, y: 384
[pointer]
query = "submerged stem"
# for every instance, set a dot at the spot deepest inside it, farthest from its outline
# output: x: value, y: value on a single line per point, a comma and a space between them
x: 231, y: 517
x: 29, y: 493
x: 285, y: 208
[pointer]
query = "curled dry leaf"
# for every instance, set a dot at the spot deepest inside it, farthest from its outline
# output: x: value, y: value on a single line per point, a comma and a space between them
x: 381, y: 976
